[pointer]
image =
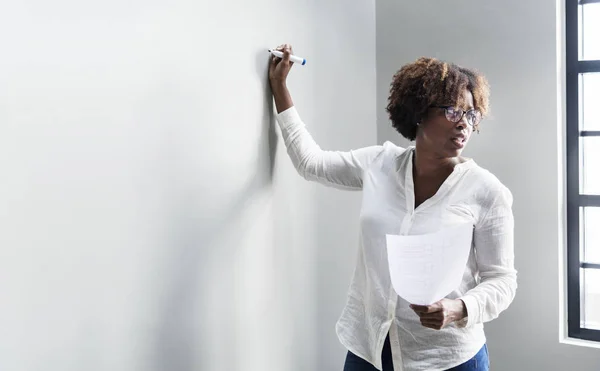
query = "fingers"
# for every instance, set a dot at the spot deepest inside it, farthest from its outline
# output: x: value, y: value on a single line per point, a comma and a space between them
x: 433, y: 320
x: 274, y: 60
x: 286, y: 53
x: 437, y: 316
x: 431, y: 316
x: 433, y: 325
x: 283, y: 47
x: 419, y: 308
x: 280, y: 67
x: 435, y: 307
x: 273, y: 63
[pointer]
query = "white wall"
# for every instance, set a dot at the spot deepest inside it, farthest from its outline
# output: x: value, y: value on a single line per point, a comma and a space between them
x: 514, y: 43
x: 150, y: 217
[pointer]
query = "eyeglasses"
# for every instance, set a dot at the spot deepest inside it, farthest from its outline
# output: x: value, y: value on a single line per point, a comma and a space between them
x: 454, y: 114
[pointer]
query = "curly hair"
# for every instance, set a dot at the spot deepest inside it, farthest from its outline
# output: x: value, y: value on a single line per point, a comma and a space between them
x: 426, y: 82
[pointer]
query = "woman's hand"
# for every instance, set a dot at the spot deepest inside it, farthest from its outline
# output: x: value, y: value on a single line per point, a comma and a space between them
x: 280, y: 68
x: 278, y: 72
x: 438, y: 315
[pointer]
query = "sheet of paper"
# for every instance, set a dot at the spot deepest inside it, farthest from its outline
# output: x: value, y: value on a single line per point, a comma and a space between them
x: 426, y: 268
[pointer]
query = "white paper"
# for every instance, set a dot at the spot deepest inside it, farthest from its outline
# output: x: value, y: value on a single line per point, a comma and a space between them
x: 426, y: 268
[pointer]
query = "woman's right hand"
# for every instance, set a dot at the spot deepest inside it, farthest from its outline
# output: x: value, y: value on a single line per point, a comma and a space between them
x: 280, y: 68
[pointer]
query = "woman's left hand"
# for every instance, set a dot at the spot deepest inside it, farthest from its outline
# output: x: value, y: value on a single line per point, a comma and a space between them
x: 438, y: 315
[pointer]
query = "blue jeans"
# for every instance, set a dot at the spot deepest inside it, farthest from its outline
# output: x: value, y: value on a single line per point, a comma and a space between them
x: 480, y: 362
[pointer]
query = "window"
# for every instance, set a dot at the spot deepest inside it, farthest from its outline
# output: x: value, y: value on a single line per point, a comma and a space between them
x: 583, y: 167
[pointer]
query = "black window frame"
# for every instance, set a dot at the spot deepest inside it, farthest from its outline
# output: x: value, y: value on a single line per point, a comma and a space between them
x: 575, y: 200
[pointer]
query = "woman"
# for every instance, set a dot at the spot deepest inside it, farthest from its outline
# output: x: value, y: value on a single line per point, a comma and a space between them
x: 416, y: 190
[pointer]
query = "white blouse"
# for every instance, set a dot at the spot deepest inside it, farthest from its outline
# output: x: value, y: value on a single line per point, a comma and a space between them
x: 373, y: 309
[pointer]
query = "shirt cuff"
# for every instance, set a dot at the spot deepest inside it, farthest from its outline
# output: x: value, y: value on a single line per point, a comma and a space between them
x: 472, y: 311
x: 288, y: 118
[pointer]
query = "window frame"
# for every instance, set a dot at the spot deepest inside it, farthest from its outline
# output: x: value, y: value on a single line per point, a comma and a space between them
x: 575, y: 199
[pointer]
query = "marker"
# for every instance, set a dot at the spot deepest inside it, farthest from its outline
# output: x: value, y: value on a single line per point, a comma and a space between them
x: 293, y: 58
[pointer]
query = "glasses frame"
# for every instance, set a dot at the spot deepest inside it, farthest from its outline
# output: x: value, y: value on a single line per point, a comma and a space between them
x: 446, y: 108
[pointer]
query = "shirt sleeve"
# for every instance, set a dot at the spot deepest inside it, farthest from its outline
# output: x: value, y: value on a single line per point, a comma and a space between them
x: 494, y: 250
x: 332, y: 168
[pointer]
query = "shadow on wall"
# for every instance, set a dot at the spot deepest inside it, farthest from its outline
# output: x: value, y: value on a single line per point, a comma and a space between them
x: 184, y: 342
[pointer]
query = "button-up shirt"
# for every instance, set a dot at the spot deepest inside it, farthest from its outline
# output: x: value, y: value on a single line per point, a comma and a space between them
x: 373, y: 310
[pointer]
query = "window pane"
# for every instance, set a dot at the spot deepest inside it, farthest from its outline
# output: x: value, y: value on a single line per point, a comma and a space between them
x: 590, y: 304
x: 589, y: 161
x: 591, y: 234
x: 589, y: 19
x: 589, y: 98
